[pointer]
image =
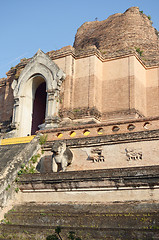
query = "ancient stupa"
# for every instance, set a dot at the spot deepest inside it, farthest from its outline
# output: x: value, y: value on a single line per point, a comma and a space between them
x: 79, y: 132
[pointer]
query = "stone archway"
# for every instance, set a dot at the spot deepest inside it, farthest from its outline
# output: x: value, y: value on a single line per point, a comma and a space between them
x: 40, y: 69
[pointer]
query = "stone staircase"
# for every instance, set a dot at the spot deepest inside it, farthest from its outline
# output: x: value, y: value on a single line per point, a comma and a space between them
x: 89, y: 221
x: 10, y: 148
x: 13, y: 153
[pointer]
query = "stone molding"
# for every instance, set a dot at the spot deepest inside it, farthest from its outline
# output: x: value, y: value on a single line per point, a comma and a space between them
x: 128, y: 178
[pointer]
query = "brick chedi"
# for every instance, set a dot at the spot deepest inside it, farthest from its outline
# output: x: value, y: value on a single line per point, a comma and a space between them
x: 94, y: 162
x: 120, y: 52
x: 120, y: 34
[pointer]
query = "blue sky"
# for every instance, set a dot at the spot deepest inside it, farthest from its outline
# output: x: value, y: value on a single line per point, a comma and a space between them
x: 27, y: 25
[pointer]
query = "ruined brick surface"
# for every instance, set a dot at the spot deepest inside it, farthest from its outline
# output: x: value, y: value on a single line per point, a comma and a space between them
x: 6, y: 100
x: 6, y: 95
x: 120, y: 34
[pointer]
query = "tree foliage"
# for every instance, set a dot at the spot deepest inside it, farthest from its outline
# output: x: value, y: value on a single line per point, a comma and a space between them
x: 57, y: 236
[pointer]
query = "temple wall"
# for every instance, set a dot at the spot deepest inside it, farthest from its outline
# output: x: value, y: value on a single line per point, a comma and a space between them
x: 6, y: 101
x: 82, y: 87
x: 113, y: 87
x: 123, y: 144
x: 116, y: 156
x: 67, y: 64
x: 2, y: 96
x: 140, y: 87
x: 81, y: 83
x: 152, y: 91
x: 111, y: 151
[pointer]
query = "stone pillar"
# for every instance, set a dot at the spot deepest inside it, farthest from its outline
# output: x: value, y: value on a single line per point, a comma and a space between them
x: 15, y: 113
x: 52, y: 119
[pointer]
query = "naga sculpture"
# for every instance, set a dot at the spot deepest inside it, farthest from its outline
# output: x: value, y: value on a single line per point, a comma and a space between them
x: 61, y: 157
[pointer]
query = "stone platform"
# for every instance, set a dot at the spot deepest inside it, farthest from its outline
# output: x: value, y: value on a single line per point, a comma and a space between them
x: 96, y: 186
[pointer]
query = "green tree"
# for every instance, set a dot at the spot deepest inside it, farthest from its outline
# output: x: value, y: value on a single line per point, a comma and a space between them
x: 57, y: 236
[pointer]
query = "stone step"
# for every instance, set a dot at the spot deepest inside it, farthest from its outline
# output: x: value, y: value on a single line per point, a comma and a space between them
x: 88, y: 221
x: 92, y: 208
x: 97, y: 221
x: 29, y: 232
x: 80, y: 218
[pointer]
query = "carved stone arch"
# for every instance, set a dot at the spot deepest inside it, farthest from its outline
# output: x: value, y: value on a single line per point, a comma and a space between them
x: 40, y: 69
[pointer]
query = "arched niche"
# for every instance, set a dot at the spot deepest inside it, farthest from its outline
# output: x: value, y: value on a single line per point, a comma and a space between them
x: 40, y: 69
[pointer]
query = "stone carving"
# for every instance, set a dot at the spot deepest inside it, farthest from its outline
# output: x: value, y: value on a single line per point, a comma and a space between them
x: 133, y: 155
x: 44, y: 165
x: 61, y: 157
x: 14, y: 87
x: 14, y: 84
x: 96, y: 155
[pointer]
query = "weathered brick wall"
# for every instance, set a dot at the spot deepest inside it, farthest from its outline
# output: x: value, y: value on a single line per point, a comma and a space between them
x: 6, y: 95
x: 2, y: 95
x: 6, y: 101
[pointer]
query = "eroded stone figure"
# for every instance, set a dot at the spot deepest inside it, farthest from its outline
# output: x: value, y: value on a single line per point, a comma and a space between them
x: 96, y: 155
x: 61, y: 157
x: 133, y: 155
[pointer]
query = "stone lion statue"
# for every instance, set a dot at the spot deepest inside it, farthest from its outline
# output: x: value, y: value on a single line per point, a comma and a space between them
x: 61, y: 157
